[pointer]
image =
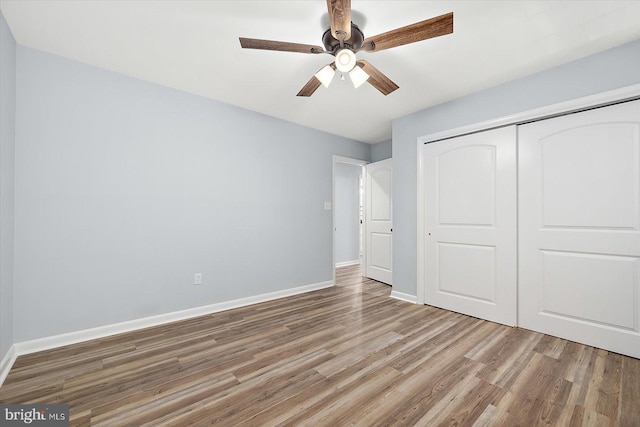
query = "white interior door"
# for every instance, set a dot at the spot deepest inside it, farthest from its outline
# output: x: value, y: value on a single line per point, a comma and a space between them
x: 470, y: 224
x: 378, y: 221
x: 579, y: 230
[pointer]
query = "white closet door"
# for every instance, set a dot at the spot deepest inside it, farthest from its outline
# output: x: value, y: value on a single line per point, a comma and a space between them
x: 378, y: 221
x: 579, y: 227
x: 470, y: 225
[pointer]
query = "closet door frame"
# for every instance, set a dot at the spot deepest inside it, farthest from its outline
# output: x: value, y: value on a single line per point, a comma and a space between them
x: 615, y: 96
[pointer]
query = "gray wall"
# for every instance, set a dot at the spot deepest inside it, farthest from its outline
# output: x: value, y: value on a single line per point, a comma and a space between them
x: 604, y: 71
x: 125, y: 189
x: 7, y: 146
x: 381, y: 151
x: 347, y: 212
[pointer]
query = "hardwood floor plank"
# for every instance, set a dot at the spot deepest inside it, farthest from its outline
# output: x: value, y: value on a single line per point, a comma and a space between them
x: 578, y: 370
x: 609, y: 389
x: 445, y: 344
x: 577, y: 417
x: 165, y: 349
x: 52, y: 381
x: 425, y: 400
x: 140, y: 412
x: 69, y: 363
x: 338, y: 383
x: 256, y: 404
x: 209, y: 407
x: 142, y: 391
x: 464, y: 403
x: 336, y: 411
x: 340, y: 356
x: 593, y: 386
x: 484, y: 349
x: 629, y: 414
x: 545, y: 387
x: 511, y: 351
x: 346, y: 356
x: 594, y: 419
x: 550, y: 346
x: 85, y: 395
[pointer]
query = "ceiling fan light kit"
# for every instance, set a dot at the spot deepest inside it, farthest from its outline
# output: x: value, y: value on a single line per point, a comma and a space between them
x: 344, y: 39
x: 358, y: 76
x: 345, y: 60
x: 325, y: 75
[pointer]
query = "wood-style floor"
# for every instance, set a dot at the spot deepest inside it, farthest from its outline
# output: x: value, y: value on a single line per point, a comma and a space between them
x: 348, y: 355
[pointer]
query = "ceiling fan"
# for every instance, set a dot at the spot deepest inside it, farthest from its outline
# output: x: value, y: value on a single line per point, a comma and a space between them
x: 344, y: 39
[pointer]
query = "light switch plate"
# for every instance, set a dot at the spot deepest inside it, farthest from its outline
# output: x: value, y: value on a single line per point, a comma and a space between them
x: 327, y: 206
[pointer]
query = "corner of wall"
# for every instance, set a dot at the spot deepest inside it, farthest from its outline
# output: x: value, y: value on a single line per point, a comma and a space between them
x: 7, y: 363
x: 7, y: 167
x: 381, y: 151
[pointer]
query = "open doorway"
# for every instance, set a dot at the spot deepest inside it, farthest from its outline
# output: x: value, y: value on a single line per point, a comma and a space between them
x: 348, y: 212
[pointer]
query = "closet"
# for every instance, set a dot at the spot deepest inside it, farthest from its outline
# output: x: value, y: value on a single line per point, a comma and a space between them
x: 537, y: 225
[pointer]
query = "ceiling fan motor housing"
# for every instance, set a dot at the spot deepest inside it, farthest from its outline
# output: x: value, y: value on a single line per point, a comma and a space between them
x: 331, y: 44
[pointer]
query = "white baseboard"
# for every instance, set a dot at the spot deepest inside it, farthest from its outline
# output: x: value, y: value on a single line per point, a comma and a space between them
x: 404, y: 297
x: 347, y: 263
x: 7, y: 363
x: 55, y: 341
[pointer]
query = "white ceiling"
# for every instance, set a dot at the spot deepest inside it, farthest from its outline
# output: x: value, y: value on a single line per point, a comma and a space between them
x: 193, y: 46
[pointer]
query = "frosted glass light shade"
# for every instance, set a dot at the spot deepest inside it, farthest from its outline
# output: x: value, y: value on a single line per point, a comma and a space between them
x: 358, y: 76
x: 345, y: 60
x: 325, y: 75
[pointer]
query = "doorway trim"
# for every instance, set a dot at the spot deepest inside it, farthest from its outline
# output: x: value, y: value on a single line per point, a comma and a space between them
x: 348, y: 161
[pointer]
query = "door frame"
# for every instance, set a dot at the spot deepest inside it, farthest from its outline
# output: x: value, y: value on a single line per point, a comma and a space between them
x: 627, y: 93
x: 348, y: 161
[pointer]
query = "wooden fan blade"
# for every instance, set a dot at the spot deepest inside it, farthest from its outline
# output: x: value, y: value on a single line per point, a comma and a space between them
x: 310, y: 87
x: 281, y: 46
x: 434, y: 27
x: 340, y: 18
x: 377, y: 79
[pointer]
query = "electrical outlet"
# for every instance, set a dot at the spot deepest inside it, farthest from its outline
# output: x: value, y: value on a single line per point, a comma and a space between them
x: 197, y: 279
